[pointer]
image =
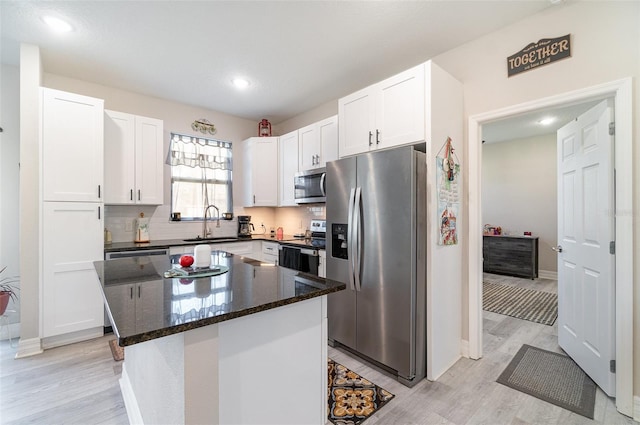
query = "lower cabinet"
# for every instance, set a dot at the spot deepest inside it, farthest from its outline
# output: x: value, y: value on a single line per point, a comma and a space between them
x: 72, y: 240
x: 511, y: 255
x: 136, y: 301
x: 322, y: 263
x: 270, y: 252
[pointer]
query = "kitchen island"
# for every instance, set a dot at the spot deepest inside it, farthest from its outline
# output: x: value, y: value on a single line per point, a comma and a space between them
x: 245, y: 346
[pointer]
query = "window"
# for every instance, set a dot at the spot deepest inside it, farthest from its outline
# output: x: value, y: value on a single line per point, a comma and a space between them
x: 201, y: 175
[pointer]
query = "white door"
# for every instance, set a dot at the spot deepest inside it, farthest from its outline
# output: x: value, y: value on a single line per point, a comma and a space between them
x: 586, y: 279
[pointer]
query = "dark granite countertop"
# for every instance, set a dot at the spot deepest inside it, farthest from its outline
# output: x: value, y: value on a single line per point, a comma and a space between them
x: 143, y: 305
x: 166, y: 243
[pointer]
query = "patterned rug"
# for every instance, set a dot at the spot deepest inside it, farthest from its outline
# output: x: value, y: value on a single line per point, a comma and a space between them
x: 551, y: 377
x: 521, y: 303
x: 352, y: 399
x: 116, y: 351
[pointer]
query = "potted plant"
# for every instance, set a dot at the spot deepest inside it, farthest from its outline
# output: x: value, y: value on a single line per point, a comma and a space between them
x: 7, y: 291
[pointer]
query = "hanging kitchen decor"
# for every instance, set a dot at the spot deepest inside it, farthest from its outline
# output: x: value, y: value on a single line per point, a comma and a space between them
x: 264, y: 128
x: 447, y: 181
x: 203, y: 126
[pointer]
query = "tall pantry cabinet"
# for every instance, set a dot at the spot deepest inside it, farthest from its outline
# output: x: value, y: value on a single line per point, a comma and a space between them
x: 72, y: 215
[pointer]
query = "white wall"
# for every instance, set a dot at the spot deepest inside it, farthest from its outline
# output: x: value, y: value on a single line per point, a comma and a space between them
x: 30, y: 81
x: 519, y: 191
x: 605, y: 48
x: 9, y: 178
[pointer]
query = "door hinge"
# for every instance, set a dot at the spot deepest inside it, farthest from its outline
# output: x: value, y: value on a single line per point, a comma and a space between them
x: 612, y: 366
x: 612, y: 247
x: 612, y: 128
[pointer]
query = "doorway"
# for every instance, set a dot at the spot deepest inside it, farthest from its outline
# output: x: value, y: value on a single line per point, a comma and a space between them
x: 621, y: 91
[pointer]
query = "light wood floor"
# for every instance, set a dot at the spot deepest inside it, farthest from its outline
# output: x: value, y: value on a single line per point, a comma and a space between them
x: 78, y: 384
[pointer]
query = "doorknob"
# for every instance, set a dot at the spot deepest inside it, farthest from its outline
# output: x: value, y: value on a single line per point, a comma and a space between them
x: 557, y: 248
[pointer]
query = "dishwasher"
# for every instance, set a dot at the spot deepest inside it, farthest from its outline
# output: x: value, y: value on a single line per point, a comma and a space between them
x: 114, y: 255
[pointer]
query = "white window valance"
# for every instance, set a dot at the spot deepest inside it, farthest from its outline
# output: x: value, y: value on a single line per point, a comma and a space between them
x: 199, y: 152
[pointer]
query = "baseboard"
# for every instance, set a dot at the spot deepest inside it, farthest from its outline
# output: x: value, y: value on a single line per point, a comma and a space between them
x: 73, y: 337
x: 29, y: 347
x: 464, y: 348
x: 636, y: 408
x: 547, y: 274
x: 129, y: 397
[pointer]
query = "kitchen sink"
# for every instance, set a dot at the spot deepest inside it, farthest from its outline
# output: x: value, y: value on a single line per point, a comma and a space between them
x: 218, y: 239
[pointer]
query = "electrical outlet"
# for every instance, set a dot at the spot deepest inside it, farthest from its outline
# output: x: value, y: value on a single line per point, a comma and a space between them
x: 128, y: 226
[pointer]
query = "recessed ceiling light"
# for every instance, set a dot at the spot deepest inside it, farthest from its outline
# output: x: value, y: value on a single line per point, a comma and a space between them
x: 546, y: 121
x: 241, y: 83
x: 57, y: 24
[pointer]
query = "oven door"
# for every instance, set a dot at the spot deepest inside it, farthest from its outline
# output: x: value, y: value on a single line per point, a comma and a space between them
x: 309, y: 186
x: 301, y: 259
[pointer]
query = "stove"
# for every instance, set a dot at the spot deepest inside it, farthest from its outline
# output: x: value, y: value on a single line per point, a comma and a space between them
x: 318, y: 233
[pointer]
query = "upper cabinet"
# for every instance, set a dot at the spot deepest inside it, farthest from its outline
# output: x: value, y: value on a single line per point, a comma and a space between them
x: 288, y: 152
x: 389, y: 113
x: 318, y: 143
x: 261, y: 172
x: 71, y: 140
x: 134, y: 155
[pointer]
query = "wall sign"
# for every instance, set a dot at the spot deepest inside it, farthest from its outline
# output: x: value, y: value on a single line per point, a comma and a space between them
x: 543, y: 52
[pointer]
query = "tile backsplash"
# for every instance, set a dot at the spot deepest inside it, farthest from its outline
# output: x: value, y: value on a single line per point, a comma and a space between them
x: 120, y: 221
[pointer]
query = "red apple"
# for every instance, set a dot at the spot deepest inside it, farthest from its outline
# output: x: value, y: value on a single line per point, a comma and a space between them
x: 185, y: 281
x: 186, y: 260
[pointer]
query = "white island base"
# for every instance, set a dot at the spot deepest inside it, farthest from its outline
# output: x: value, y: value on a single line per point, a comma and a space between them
x: 265, y: 368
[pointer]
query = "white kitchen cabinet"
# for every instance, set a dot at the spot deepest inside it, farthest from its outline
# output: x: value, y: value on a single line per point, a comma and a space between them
x: 386, y: 114
x: 288, y: 153
x: 318, y: 143
x: 72, y: 239
x: 139, y: 303
x: 322, y: 263
x: 71, y: 142
x: 261, y: 172
x: 270, y: 252
x: 134, y: 153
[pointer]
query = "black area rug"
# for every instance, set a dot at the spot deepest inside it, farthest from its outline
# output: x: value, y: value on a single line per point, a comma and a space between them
x: 551, y: 377
x: 352, y: 399
x: 521, y: 303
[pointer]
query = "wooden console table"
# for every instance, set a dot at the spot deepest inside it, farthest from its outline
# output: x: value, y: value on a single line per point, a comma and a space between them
x: 511, y: 255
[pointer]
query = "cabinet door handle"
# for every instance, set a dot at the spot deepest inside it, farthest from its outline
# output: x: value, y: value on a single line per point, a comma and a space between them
x: 254, y: 199
x: 370, y: 135
x: 139, y: 291
x: 131, y: 292
x: 99, y: 194
x: 131, y: 194
x: 138, y: 194
x: 377, y: 137
x: 98, y: 213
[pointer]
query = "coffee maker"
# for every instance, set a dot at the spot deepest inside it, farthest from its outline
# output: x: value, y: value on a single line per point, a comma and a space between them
x: 245, y: 226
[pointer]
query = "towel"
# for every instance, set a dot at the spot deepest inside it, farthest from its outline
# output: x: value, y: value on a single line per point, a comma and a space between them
x: 290, y: 258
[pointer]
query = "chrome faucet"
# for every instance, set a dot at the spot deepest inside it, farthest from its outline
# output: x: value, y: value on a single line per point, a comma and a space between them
x: 205, y: 232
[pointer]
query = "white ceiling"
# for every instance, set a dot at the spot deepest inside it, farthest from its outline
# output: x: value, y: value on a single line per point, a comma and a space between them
x: 528, y: 125
x: 297, y: 54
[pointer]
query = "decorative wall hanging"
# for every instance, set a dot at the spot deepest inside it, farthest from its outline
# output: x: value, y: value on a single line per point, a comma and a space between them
x: 203, y: 126
x: 543, y: 52
x: 264, y: 128
x: 447, y: 191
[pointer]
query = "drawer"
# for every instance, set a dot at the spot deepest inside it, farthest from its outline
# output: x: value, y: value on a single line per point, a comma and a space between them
x: 270, y: 248
x: 509, y: 244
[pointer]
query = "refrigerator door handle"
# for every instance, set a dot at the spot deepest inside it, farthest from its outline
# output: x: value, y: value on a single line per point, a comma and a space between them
x: 350, y: 239
x: 358, y: 237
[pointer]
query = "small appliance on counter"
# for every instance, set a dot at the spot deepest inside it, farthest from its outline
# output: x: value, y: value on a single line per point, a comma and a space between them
x: 245, y: 227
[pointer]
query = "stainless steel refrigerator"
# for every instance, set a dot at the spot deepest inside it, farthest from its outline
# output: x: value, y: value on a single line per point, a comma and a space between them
x: 376, y: 244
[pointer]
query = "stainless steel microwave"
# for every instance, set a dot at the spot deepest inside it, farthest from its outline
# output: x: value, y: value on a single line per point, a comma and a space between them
x: 309, y: 186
